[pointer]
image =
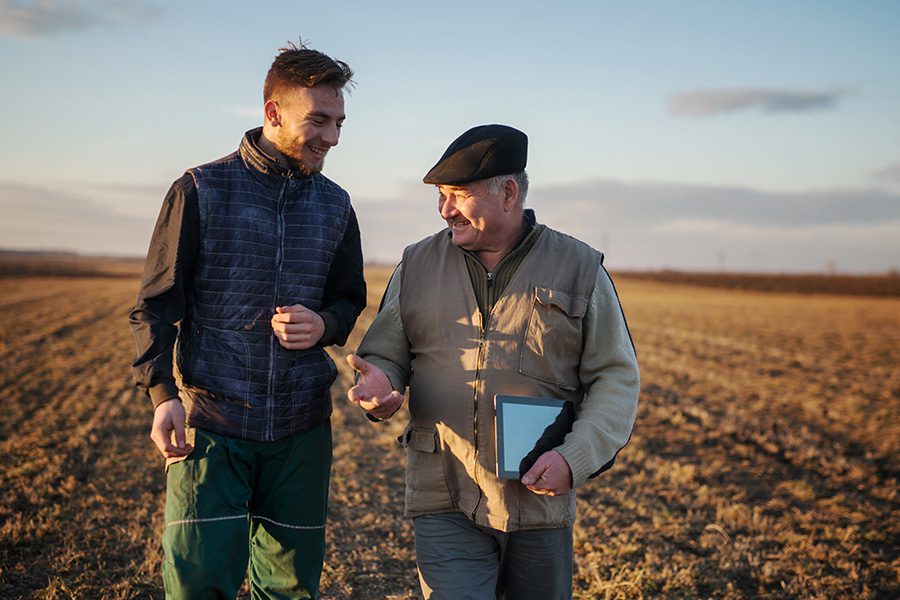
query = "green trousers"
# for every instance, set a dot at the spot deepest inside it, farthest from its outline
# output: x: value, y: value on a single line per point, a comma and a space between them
x: 235, y: 503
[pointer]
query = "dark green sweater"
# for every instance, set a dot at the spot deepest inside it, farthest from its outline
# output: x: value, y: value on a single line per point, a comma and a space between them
x: 489, y: 286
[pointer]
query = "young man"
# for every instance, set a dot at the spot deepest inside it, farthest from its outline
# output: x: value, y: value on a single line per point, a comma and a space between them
x: 254, y: 266
x: 496, y: 304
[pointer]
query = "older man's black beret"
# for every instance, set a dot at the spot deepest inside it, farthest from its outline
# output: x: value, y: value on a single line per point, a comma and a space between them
x: 481, y: 152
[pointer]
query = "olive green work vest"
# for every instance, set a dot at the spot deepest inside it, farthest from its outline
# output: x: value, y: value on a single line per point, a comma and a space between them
x: 530, y: 346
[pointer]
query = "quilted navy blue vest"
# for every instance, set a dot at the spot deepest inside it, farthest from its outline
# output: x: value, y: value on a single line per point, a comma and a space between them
x: 268, y: 239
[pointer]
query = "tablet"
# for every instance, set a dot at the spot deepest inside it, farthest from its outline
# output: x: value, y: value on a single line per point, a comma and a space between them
x: 528, y: 425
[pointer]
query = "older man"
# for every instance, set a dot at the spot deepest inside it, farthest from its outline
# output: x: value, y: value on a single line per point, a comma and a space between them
x: 496, y: 304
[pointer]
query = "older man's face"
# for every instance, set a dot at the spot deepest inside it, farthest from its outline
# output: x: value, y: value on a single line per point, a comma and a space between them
x: 478, y: 221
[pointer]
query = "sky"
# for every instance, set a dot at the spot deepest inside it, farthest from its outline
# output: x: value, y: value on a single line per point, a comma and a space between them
x: 694, y: 135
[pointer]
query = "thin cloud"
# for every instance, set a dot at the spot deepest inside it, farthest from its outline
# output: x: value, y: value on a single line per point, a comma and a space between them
x: 389, y: 224
x: 134, y: 200
x: 45, y: 18
x: 890, y: 173
x: 647, y: 225
x: 885, y: 234
x: 637, y: 225
x: 683, y: 226
x: 39, y: 218
x: 705, y: 103
x: 652, y: 203
x: 130, y: 189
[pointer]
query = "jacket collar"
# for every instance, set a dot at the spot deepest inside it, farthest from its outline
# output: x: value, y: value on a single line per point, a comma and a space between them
x: 262, y: 164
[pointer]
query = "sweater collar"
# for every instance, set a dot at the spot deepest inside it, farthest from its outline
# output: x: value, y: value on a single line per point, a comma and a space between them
x: 531, y: 233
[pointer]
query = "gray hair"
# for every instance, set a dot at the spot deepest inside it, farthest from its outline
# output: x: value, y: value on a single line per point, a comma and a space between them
x: 495, y: 184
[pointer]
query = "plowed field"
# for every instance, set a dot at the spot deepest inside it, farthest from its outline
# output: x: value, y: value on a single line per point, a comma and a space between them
x: 764, y: 462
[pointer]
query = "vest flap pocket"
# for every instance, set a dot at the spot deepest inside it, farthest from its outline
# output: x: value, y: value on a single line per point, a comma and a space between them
x: 551, y: 348
x: 423, y: 439
x: 574, y: 306
x: 427, y: 489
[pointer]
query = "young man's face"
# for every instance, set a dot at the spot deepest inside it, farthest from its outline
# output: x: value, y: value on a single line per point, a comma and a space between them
x: 310, y: 121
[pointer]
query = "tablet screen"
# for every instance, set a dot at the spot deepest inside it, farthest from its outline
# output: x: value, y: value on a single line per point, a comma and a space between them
x: 521, y: 422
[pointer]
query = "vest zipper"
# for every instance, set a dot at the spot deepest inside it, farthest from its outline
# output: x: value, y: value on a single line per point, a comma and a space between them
x: 279, y: 261
x: 486, y: 319
x: 484, y: 326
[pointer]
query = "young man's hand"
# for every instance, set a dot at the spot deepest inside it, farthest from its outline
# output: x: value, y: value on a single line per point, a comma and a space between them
x: 373, y: 391
x: 169, y: 417
x: 297, y: 327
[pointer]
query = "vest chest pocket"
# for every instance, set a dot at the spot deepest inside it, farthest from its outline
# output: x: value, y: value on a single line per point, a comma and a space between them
x: 551, y: 350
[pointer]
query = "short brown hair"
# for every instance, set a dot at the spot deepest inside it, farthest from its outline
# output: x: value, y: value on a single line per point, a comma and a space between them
x: 301, y: 66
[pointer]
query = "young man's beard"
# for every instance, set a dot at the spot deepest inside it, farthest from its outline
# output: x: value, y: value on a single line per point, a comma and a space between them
x: 291, y: 151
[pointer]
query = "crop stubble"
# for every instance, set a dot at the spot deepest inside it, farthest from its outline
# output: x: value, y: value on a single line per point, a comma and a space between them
x: 763, y: 463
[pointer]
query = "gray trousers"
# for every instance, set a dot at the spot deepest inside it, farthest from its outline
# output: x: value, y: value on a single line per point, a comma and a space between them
x: 461, y: 560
